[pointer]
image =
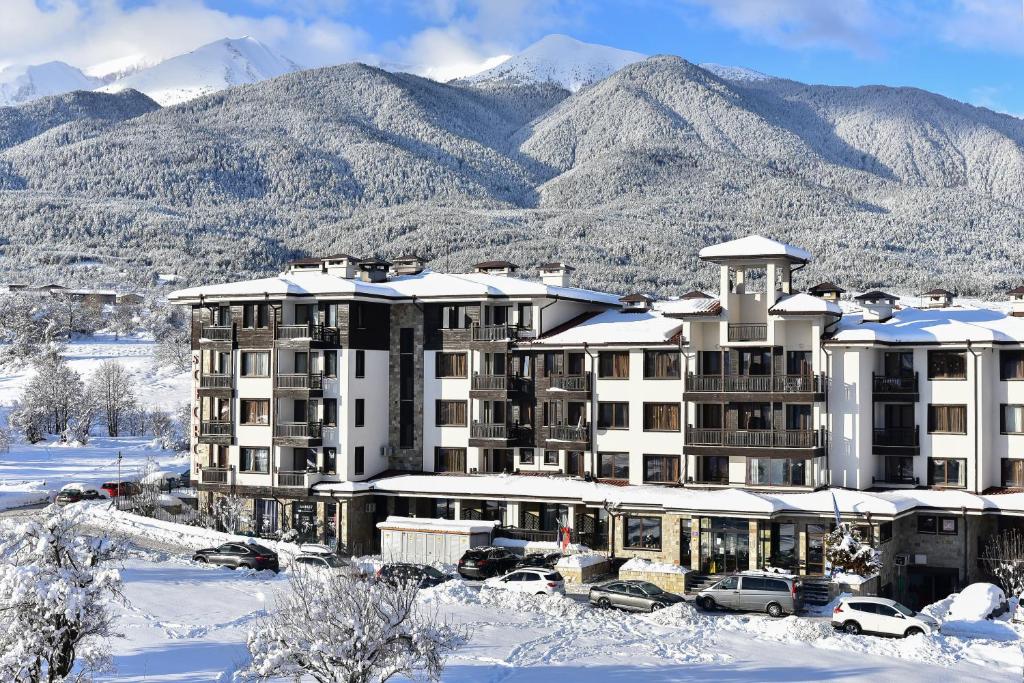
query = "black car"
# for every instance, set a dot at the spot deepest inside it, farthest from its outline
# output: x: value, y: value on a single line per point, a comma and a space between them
x: 546, y: 560
x: 423, y: 575
x: 485, y: 562
x: 68, y: 496
x: 236, y: 555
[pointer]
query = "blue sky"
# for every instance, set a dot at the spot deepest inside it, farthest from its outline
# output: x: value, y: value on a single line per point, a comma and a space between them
x: 972, y: 50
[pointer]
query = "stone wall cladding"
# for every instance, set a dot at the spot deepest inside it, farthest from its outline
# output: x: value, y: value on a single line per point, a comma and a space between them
x: 583, y: 574
x: 673, y: 583
x: 407, y: 459
x: 671, y: 541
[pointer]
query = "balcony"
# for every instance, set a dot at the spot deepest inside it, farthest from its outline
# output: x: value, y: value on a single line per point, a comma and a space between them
x: 570, y: 382
x: 901, y: 388
x: 218, y: 333
x: 219, y: 381
x: 215, y: 431
x: 303, y: 432
x: 310, y: 332
x: 495, y: 432
x: 756, y: 384
x: 494, y: 332
x: 573, y: 433
x: 217, y: 475
x: 765, y: 439
x: 296, y: 478
x: 302, y: 381
x: 896, y: 440
x: 748, y: 332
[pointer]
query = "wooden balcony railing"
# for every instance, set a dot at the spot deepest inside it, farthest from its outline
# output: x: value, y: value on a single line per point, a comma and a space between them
x: 493, y: 332
x: 312, y: 380
x: 216, y: 475
x: 218, y: 332
x: 754, y: 438
x: 299, y: 430
x: 781, y: 384
x: 215, y: 428
x: 900, y: 384
x: 495, y: 382
x: 292, y: 478
x: 896, y: 436
x: 569, y: 432
x: 311, y: 331
x: 215, y: 381
x: 480, y: 430
x: 748, y: 332
x: 571, y: 382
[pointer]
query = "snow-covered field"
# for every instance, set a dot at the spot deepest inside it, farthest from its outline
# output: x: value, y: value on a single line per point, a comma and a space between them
x: 33, y: 473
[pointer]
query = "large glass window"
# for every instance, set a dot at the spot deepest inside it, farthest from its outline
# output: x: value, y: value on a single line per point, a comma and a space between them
x: 713, y: 469
x: 331, y: 412
x: 947, y: 419
x: 330, y: 460
x: 784, y: 547
x: 1011, y: 364
x: 526, y: 456
x: 709, y: 415
x: 254, y: 315
x: 614, y: 364
x: 1011, y: 419
x: 777, y: 471
x: 754, y: 416
x: 643, y: 533
x: 798, y: 363
x: 613, y: 465
x: 661, y: 364
x: 947, y: 472
x: 255, y: 411
x: 661, y: 417
x: 1013, y: 473
x: 451, y: 365
x: 360, y: 363
x: 450, y: 413
x: 947, y: 365
x: 254, y: 460
x: 613, y: 415
x: 449, y: 459
x: 755, y: 362
x: 709, y: 362
x: 330, y: 363
x: 899, y: 469
x: 898, y: 363
x: 551, y: 458
x: 267, y: 522
x: 255, y: 364
x: 661, y: 469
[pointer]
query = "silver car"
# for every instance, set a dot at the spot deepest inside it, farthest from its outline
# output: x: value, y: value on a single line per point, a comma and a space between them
x: 636, y: 596
x: 775, y: 594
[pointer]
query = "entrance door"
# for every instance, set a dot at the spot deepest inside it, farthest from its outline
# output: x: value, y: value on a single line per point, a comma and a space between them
x: 815, y: 562
x: 725, y: 546
x: 574, y: 463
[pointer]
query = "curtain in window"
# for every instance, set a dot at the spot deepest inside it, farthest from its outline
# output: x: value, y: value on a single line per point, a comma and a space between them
x: 661, y: 364
x: 1011, y: 364
x: 451, y: 365
x: 255, y: 412
x: 452, y: 413
x: 615, y: 364
x: 948, y: 419
x: 255, y: 364
x: 661, y: 468
x: 1013, y: 419
x: 661, y: 417
x: 254, y: 460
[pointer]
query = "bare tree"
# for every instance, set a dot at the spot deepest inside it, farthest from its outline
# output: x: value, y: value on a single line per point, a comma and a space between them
x: 174, y: 349
x: 337, y: 628
x: 55, y: 590
x: 1004, y: 559
x: 111, y: 386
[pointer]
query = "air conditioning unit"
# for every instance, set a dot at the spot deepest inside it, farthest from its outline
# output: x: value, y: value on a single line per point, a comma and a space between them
x: 901, y: 560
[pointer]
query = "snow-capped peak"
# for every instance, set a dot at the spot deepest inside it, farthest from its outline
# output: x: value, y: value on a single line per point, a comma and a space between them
x: 218, y: 65
x: 562, y: 60
x: 735, y: 73
x: 22, y: 83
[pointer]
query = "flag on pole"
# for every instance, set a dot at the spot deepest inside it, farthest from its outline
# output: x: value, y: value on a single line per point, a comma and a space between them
x: 835, y: 507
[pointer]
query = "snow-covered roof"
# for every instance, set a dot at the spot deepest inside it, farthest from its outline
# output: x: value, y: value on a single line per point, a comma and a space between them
x: 803, y: 303
x: 618, y: 327
x: 933, y: 326
x: 753, y: 246
x: 731, y: 500
x: 425, y: 285
x: 430, y: 524
x: 689, y: 306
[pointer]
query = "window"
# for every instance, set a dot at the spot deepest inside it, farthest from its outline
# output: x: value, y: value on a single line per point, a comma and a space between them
x: 331, y: 315
x: 450, y: 413
x: 932, y: 524
x: 254, y: 460
x: 360, y: 412
x: 613, y: 465
x: 885, y: 532
x: 449, y: 459
x: 575, y: 363
x: 526, y: 456
x: 1011, y: 419
x: 451, y: 365
x: 898, y: 363
x: 301, y: 362
x: 661, y: 364
x: 709, y: 362
x: 613, y: 415
x: 777, y: 471
x: 947, y: 419
x: 331, y: 412
x: 947, y: 365
x: 947, y: 472
x: 255, y: 411
x: 613, y: 364
x: 551, y: 458
x: 661, y: 417
x: 360, y: 363
x: 554, y: 363
x: 899, y: 469
x: 1013, y: 473
x: 709, y: 415
x: 330, y: 363
x: 526, y: 316
x: 798, y: 363
x: 661, y: 469
x: 266, y: 516
x: 643, y: 533
x: 359, y: 316
x: 754, y: 415
x: 254, y: 315
x: 1011, y: 365
x: 713, y: 469
x: 255, y: 364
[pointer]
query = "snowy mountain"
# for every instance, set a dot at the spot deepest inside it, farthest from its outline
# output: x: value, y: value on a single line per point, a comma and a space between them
x: 19, y: 84
x: 562, y: 60
x: 735, y: 73
x: 210, y: 68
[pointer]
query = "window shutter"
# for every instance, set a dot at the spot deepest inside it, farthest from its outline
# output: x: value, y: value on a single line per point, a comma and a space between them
x: 732, y: 364
x: 732, y: 420
x: 778, y: 361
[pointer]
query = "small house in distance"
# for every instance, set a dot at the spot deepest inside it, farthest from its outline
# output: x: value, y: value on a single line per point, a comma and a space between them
x: 1017, y: 301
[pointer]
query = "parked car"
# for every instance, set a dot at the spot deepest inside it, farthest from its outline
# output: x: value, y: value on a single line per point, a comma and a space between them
x: 548, y: 560
x: 320, y: 562
x: 535, y: 581
x: 239, y: 555
x: 68, y: 496
x: 636, y: 596
x: 423, y: 575
x: 775, y: 594
x: 880, y: 616
x: 126, y: 488
x: 486, y: 561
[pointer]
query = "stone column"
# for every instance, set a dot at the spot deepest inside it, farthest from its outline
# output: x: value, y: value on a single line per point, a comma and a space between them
x: 753, y: 544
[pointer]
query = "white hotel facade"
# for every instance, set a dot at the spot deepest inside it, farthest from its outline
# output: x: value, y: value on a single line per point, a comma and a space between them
x: 709, y: 431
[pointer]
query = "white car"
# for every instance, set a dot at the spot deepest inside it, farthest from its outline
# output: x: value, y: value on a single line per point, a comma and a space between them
x: 537, y: 581
x: 880, y: 616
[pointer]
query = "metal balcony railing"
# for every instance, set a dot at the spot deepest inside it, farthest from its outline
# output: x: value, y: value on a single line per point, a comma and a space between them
x: 495, y: 382
x: 754, y: 438
x: 493, y: 332
x: 479, y: 430
x: 216, y: 475
x: 781, y: 384
x: 571, y: 382
x: 312, y: 331
x: 744, y: 332
x: 215, y: 428
x: 299, y: 430
x: 569, y: 432
x: 900, y: 384
x: 302, y: 380
x: 215, y: 381
x: 291, y: 478
x: 218, y: 332
x: 896, y: 436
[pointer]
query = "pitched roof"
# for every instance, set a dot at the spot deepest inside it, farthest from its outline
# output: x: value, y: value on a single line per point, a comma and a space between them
x: 340, y: 257
x: 685, y: 307
x: 1017, y: 290
x: 488, y: 265
x: 555, y: 265
x: 617, y: 327
x: 696, y: 294
x: 933, y: 326
x: 875, y: 295
x: 825, y: 287
x: 806, y: 304
x: 754, y: 246
x: 635, y: 298
x: 938, y: 292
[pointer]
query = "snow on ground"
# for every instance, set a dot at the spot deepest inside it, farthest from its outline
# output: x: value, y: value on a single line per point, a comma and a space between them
x: 200, y: 635
x: 33, y: 473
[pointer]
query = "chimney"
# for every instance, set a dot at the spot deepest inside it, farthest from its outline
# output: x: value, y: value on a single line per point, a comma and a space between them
x: 1017, y: 301
x: 636, y: 303
x: 877, y: 305
x: 373, y: 270
x: 341, y: 265
x: 827, y: 291
x: 555, y: 274
x: 503, y: 268
x: 938, y: 298
x: 410, y: 264
x: 304, y: 265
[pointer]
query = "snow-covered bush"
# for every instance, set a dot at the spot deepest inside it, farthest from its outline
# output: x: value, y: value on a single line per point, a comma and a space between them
x: 845, y: 551
x: 174, y: 349
x: 53, y: 401
x: 1004, y: 559
x: 340, y: 629
x: 56, y: 585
